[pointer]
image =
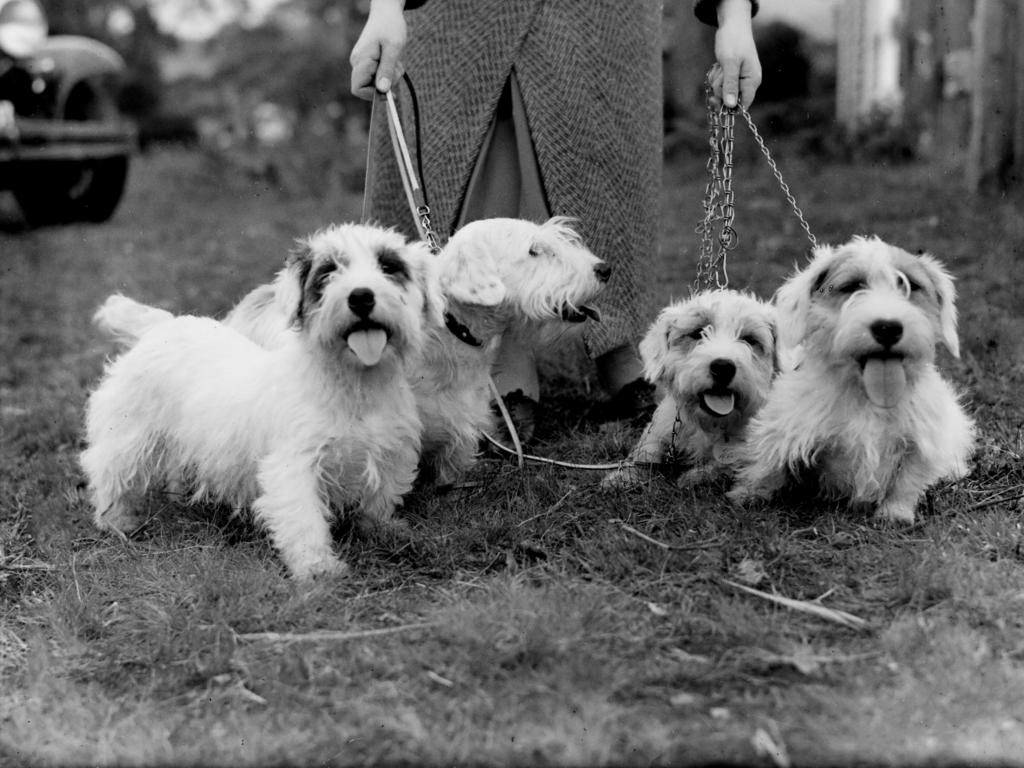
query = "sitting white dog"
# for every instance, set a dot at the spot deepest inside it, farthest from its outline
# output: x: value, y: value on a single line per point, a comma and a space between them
x: 714, y: 355
x: 325, y: 418
x: 498, y: 276
x: 865, y: 411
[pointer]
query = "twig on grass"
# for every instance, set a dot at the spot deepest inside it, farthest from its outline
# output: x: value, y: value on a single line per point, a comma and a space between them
x: 326, y: 635
x: 663, y: 545
x: 999, y: 497
x: 840, y: 617
x: 26, y: 567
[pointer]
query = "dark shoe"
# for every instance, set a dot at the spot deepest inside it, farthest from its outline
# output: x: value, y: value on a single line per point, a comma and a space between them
x: 523, y: 411
x: 634, y: 402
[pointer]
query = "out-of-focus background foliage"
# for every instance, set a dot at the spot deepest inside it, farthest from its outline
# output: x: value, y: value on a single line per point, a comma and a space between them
x: 262, y: 85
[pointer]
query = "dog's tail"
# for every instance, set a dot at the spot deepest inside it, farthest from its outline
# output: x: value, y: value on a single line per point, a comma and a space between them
x: 126, y: 320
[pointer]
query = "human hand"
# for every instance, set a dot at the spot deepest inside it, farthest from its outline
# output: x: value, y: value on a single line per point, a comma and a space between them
x: 376, y: 56
x: 738, y: 73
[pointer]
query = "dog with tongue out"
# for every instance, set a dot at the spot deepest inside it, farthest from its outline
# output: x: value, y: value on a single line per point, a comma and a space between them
x: 714, y: 356
x: 865, y: 412
x: 318, y: 418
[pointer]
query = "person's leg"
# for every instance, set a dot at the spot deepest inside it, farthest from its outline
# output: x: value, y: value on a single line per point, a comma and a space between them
x: 618, y: 367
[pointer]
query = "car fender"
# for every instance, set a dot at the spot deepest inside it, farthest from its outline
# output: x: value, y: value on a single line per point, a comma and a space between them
x: 77, y: 58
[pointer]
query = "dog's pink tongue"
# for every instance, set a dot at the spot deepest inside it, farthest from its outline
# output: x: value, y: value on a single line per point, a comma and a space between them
x: 884, y: 381
x: 368, y: 345
x: 720, y: 404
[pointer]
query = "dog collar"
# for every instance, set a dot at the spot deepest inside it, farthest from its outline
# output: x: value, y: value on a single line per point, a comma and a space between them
x: 460, y: 331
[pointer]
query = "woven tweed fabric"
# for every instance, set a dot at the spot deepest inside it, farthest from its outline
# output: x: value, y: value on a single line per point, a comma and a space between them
x: 590, y: 77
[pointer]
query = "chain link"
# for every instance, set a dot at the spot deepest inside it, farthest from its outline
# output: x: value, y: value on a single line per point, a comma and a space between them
x: 778, y: 177
x: 719, y: 198
x: 423, y: 211
x: 719, y: 204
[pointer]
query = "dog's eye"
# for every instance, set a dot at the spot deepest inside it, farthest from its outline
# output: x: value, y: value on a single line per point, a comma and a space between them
x: 752, y: 341
x: 911, y: 284
x: 696, y: 335
x: 392, y: 264
x: 850, y: 287
x: 534, y: 251
x: 322, y: 274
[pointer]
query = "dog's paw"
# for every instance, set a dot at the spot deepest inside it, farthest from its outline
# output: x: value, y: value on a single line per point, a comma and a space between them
x: 740, y: 496
x: 704, y: 473
x: 895, y: 512
x: 627, y: 476
x: 119, y: 518
x: 322, y: 565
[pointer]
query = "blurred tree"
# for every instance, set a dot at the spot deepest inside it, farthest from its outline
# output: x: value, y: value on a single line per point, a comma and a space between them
x: 282, y: 86
x: 784, y: 59
x: 298, y: 56
x: 995, y: 160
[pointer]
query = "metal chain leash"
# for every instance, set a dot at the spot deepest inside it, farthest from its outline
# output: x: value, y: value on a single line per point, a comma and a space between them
x: 778, y: 177
x: 712, y: 267
x: 719, y: 198
x: 429, y: 235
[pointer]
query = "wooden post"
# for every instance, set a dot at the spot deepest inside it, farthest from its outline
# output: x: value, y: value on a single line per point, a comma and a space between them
x: 996, y: 152
x: 1018, y: 134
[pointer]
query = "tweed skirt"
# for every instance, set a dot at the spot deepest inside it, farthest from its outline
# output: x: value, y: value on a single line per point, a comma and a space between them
x: 589, y: 77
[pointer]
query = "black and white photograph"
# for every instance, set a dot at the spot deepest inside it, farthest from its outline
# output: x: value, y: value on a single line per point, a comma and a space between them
x: 512, y: 383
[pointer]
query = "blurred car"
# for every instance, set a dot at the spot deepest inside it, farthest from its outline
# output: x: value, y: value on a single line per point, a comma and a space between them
x: 64, y: 146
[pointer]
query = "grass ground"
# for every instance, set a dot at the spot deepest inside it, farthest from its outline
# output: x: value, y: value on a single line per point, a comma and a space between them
x: 535, y: 619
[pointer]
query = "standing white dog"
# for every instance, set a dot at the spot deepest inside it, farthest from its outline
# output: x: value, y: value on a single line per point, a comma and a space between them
x: 865, y: 410
x: 715, y: 355
x: 327, y: 417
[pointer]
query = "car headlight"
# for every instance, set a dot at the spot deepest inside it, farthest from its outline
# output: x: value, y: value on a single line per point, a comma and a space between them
x: 22, y: 27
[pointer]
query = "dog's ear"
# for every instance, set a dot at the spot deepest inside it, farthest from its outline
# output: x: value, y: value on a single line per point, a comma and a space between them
x: 945, y: 292
x: 291, y: 283
x: 469, y: 274
x: 793, y: 298
x: 654, y: 348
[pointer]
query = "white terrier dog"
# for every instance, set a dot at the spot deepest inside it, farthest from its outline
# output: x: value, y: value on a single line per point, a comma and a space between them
x: 498, y: 277
x: 715, y: 356
x: 864, y: 411
x: 327, y: 417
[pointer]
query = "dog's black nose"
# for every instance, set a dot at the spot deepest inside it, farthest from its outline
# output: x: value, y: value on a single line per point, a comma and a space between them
x: 603, y: 270
x: 722, y: 371
x: 361, y: 301
x: 887, y: 332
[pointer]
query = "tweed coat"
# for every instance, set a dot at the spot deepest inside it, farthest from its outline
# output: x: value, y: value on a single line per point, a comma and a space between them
x: 590, y: 76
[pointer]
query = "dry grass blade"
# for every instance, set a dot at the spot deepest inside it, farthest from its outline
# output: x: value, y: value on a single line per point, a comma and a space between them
x: 1000, y: 497
x: 650, y: 540
x: 840, y: 617
x: 328, y: 636
x: 30, y: 566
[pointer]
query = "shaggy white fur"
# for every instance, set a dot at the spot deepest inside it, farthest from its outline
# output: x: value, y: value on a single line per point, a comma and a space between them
x: 325, y: 419
x: 714, y: 355
x: 864, y: 410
